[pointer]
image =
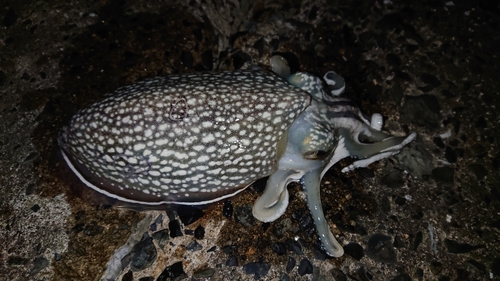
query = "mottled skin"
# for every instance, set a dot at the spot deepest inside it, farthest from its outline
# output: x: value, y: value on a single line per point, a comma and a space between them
x: 196, y: 139
x: 184, y: 139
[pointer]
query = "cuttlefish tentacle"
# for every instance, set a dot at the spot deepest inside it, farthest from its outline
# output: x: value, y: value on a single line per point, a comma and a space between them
x: 311, y: 183
x: 273, y: 202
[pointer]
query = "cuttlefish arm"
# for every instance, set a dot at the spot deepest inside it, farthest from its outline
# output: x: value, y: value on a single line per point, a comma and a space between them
x: 311, y: 183
x: 273, y: 202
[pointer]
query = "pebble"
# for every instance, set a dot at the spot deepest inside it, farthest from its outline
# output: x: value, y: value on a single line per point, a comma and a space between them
x: 189, y: 214
x: 161, y: 237
x: 230, y: 249
x: 93, y: 229
x: 444, y: 175
x: 143, y: 254
x: 416, y: 160
x: 279, y: 248
x: 318, y: 252
x: 398, y: 242
x: 365, y: 173
x: 172, y: 271
x: 175, y: 228
x: 129, y: 276
x: 204, y: 273
x: 285, y: 277
x: 481, y: 267
x: 393, y: 179
x: 258, y: 269
x: 460, y: 248
x: 439, y: 142
x: 305, y: 220
x: 282, y: 227
x: 240, y: 58
x: 152, y: 227
x: 450, y: 155
x: 232, y: 261
x: 294, y: 246
x: 381, y: 249
x: 243, y: 215
x: 478, y: 170
x: 35, y: 208
x: 436, y: 267
x: 354, y: 250
x: 393, y: 59
x: 417, y: 240
x: 305, y: 267
x: 199, y: 232
x: 338, y: 275
x: 422, y: 110
x: 481, y: 122
x: 290, y: 264
x: 402, y: 277
x: 400, y: 200
x: 39, y: 264
x: 194, y: 246
x: 430, y: 79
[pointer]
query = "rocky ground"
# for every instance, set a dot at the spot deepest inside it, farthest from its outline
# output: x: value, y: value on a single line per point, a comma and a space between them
x: 429, y: 213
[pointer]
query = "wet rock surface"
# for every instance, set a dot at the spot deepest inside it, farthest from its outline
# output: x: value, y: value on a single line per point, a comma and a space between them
x: 428, y: 213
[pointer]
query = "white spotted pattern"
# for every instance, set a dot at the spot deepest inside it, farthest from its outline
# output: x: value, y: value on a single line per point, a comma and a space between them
x: 184, y: 138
